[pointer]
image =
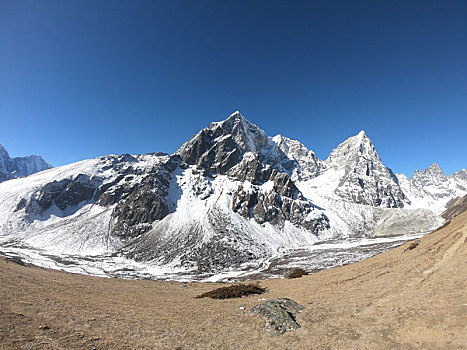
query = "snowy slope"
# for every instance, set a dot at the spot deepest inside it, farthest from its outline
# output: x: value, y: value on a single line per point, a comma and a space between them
x: 73, y: 222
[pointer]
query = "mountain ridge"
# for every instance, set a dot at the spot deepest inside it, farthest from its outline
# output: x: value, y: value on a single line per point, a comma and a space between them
x: 11, y: 168
x: 230, y: 195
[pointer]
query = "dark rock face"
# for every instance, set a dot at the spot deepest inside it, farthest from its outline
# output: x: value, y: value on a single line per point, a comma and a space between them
x: 64, y: 193
x: 252, y: 169
x: 138, y: 204
x: 275, y: 208
x: 81, y: 189
x: 283, y: 202
x: 280, y: 315
x: 219, y: 147
x: 140, y: 207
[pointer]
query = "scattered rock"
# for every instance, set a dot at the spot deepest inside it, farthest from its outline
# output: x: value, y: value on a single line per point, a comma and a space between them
x: 280, y: 315
x: 16, y: 260
x: 413, y: 245
x: 43, y: 327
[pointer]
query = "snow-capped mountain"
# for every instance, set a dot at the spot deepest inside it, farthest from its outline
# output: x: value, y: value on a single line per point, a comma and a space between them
x: 354, y: 172
x: 228, y: 196
x: 11, y: 168
x: 432, y: 189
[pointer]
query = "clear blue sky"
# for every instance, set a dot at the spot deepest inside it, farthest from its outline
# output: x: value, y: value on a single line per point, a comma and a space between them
x: 80, y: 79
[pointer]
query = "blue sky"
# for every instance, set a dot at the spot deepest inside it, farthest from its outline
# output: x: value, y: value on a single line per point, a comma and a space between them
x: 80, y: 79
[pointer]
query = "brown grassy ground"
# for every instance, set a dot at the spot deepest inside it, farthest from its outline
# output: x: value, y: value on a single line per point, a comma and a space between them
x: 396, y: 300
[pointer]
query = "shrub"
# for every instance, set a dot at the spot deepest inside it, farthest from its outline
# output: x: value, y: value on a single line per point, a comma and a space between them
x: 296, y: 273
x: 235, y: 291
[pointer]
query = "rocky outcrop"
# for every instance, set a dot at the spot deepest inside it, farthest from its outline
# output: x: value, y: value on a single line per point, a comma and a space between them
x: 276, y: 208
x: 280, y: 315
x: 455, y: 207
x: 64, y: 193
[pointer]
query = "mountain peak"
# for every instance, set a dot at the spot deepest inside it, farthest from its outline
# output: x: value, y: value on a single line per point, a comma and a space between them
x: 361, y: 134
x: 3, y: 152
x: 357, y: 145
x: 235, y: 116
x: 11, y: 168
x: 220, y: 145
x: 435, y: 169
x: 236, y: 113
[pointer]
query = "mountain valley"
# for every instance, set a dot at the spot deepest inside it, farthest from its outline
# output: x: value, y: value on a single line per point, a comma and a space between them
x: 229, y: 199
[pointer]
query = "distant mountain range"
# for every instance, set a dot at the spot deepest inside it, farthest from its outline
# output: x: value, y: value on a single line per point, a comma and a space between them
x: 12, y: 168
x: 228, y: 196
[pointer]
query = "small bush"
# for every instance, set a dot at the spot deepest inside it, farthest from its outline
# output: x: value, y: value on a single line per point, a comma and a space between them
x: 235, y: 291
x: 412, y: 245
x: 296, y: 273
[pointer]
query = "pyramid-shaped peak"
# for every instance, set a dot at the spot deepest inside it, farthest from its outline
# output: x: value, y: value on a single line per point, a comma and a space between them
x: 358, y: 145
x: 235, y: 120
x: 227, y: 139
x: 434, y: 168
x: 235, y: 116
x: 356, y: 141
x: 360, y: 137
x: 361, y: 134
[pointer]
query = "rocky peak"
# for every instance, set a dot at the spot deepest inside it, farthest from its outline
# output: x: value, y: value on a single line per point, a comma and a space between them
x: 362, y: 176
x: 291, y: 147
x: 355, y: 147
x: 308, y: 162
x: 460, y: 176
x: 431, y: 176
x: 220, y: 146
x: 3, y: 153
x: 247, y: 135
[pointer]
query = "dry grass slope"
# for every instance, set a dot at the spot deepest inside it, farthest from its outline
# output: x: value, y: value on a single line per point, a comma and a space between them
x: 395, y: 300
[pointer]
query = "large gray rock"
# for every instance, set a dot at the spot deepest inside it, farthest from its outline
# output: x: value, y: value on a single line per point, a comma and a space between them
x: 280, y: 315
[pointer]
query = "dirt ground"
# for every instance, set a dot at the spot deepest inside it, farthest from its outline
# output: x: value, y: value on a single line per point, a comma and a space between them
x: 396, y: 300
